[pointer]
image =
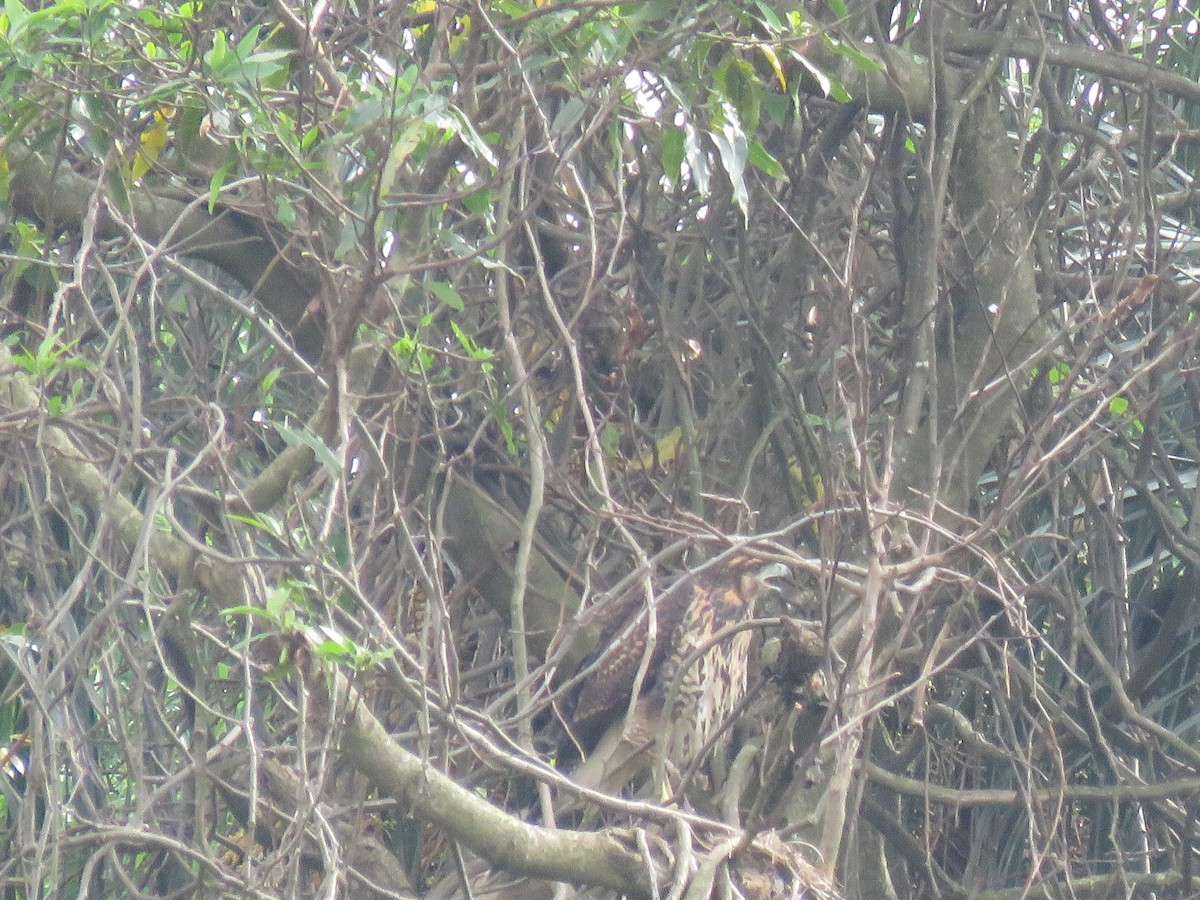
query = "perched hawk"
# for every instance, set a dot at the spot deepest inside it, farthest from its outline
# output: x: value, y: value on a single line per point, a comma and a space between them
x: 695, y: 681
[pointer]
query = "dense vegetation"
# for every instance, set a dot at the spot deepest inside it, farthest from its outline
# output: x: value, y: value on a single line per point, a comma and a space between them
x: 353, y: 353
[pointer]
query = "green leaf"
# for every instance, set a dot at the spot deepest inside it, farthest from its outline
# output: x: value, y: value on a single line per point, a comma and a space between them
x: 412, y: 356
x: 769, y: 16
x: 30, y: 243
x: 460, y: 246
x: 285, y: 212
x: 672, y: 153
x: 218, y: 55
x: 512, y: 9
x: 247, y: 44
x: 408, y: 141
x: 45, y: 348
x: 610, y: 440
x: 764, y: 161
x: 218, y: 181
x: 277, y: 602
x: 510, y: 437
x: 17, y: 15
x: 733, y: 148
x: 26, y: 362
x: 479, y: 202
x: 270, y: 378
x: 332, y: 650
x: 473, y: 350
x: 772, y: 58
x: 455, y: 121
x: 861, y: 60
x: 838, y: 92
x: 267, y: 57
x: 117, y: 184
x: 697, y: 160
x: 777, y: 107
x: 636, y: 16
x: 188, y: 122
x: 302, y: 436
x: 447, y: 294
x: 262, y: 522
x: 243, y: 611
x: 830, y: 87
x: 568, y: 117
x: 737, y: 84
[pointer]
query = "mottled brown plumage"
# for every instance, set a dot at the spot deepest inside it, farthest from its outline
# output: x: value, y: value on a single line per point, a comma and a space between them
x: 695, y: 682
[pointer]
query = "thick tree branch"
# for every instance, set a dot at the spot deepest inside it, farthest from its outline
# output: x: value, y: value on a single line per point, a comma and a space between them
x: 282, y: 283
x: 966, y: 797
x: 20, y: 402
x: 1084, y: 59
x: 901, y: 83
x: 507, y: 842
x: 596, y: 858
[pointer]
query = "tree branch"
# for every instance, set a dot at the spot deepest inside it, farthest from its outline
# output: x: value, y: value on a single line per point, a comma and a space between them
x: 505, y: 841
x: 1076, y: 56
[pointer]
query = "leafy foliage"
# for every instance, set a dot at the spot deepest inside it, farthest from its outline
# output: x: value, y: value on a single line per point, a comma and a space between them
x: 377, y: 350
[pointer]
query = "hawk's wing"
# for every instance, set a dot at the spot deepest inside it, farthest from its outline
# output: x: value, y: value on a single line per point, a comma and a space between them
x: 624, y: 641
x: 717, y: 595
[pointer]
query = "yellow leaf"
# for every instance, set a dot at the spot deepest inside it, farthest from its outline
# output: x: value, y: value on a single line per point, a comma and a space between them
x: 814, y: 482
x: 665, y: 450
x: 769, y: 52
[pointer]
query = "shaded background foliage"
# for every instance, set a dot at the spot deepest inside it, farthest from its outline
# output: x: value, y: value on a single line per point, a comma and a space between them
x: 391, y: 339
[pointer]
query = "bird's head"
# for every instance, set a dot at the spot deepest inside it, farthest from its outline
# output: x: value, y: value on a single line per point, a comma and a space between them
x: 767, y: 578
x: 754, y: 578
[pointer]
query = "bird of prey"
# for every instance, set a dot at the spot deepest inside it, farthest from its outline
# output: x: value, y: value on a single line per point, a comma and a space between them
x: 693, y: 679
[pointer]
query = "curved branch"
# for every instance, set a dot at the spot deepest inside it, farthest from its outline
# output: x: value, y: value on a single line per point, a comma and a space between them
x: 594, y: 858
x: 1076, y: 56
x: 234, y: 242
x: 1114, y: 793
